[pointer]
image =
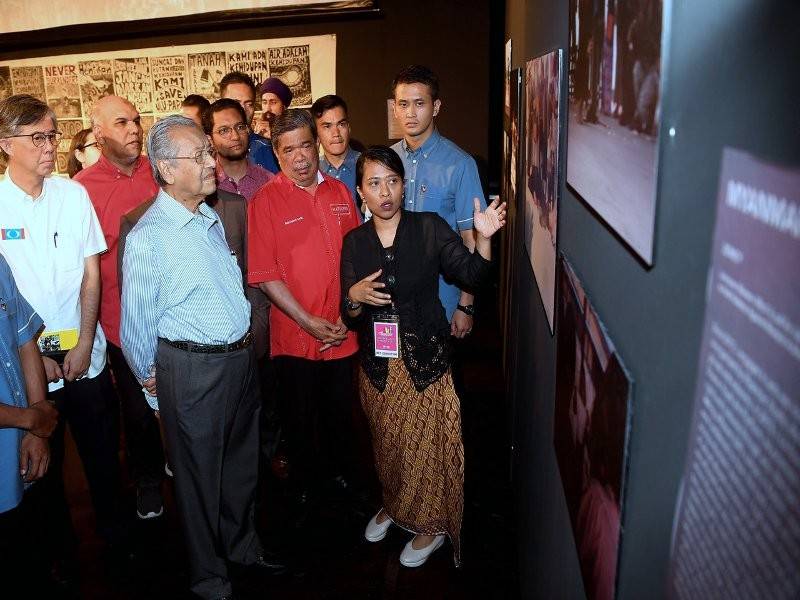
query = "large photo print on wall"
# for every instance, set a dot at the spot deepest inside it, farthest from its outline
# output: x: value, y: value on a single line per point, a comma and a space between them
x: 591, y: 433
x: 615, y: 64
x: 541, y: 183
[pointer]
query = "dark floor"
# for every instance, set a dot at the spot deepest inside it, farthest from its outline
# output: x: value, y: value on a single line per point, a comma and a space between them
x: 337, y: 561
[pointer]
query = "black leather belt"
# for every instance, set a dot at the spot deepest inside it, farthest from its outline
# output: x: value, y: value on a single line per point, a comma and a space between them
x: 212, y: 348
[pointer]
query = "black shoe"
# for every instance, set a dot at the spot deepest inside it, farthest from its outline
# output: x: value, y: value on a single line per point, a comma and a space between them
x: 267, y: 562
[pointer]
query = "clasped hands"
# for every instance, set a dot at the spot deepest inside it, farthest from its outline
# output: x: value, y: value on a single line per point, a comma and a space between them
x: 330, y: 334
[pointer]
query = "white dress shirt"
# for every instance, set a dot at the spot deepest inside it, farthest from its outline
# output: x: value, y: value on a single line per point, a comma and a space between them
x: 45, y: 241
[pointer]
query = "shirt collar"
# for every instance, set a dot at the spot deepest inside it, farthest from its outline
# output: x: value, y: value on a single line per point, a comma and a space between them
x: 179, y: 214
x: 103, y: 164
x: 223, y: 176
x: 426, y: 147
x: 17, y: 193
x: 349, y: 161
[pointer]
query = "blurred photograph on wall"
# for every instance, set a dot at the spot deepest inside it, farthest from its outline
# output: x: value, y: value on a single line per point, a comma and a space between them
x: 616, y: 63
x: 591, y: 433
x: 541, y: 174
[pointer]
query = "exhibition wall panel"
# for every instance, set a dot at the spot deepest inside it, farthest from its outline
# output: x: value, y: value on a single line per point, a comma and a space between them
x: 729, y: 83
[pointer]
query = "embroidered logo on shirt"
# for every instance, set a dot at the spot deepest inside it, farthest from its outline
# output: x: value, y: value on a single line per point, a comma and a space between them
x: 340, y: 209
x: 3, y: 305
x: 13, y: 234
x: 295, y: 220
x: 423, y: 188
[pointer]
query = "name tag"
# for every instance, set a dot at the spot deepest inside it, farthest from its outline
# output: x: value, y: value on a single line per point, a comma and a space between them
x: 58, y: 342
x: 386, y: 332
x: 340, y: 209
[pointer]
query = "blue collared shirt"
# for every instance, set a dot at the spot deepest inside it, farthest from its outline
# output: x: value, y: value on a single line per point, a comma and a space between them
x: 346, y: 173
x: 19, y: 324
x: 261, y: 153
x: 180, y: 281
x: 442, y: 178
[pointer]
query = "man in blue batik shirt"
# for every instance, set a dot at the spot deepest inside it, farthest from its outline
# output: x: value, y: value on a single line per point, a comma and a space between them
x: 26, y: 418
x: 333, y: 130
x: 240, y: 87
x: 440, y: 176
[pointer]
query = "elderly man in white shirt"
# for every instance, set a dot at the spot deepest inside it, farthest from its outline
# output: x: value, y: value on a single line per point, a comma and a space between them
x: 51, y: 238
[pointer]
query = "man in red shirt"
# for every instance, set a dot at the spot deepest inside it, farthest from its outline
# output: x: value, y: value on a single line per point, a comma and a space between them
x: 120, y: 181
x: 296, y: 225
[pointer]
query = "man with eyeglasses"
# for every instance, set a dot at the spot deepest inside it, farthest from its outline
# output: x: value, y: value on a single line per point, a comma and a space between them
x: 117, y: 183
x: 185, y: 334
x: 240, y: 87
x: 51, y: 239
x: 225, y: 124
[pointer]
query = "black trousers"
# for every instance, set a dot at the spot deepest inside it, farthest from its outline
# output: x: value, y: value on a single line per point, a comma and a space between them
x: 142, y: 434
x: 91, y: 409
x: 316, y: 408
x: 24, y: 569
x: 210, y: 405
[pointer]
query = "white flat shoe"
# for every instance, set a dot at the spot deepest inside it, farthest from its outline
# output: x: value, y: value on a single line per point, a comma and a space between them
x: 375, y: 531
x: 411, y: 557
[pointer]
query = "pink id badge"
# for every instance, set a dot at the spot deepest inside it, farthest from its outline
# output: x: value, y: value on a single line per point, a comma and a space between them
x: 386, y: 332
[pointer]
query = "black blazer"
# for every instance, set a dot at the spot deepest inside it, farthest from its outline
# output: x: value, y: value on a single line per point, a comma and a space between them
x: 424, y: 246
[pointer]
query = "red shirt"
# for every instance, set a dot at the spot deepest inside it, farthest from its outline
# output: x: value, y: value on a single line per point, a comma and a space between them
x: 113, y: 193
x: 296, y: 238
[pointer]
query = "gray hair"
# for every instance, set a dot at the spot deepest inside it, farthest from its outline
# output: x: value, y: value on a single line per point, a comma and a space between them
x: 291, y: 119
x: 160, y: 145
x: 20, y: 110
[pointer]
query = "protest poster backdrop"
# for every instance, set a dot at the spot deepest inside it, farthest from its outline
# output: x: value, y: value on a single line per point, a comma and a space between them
x: 156, y: 80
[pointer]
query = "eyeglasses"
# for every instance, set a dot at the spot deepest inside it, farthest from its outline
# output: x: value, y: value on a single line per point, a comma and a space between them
x: 199, y: 157
x: 39, y: 137
x: 85, y: 146
x: 226, y: 131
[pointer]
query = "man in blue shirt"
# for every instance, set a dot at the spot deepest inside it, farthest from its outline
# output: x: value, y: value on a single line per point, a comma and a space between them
x: 440, y: 176
x: 186, y: 336
x: 26, y: 420
x: 333, y: 132
x: 240, y: 87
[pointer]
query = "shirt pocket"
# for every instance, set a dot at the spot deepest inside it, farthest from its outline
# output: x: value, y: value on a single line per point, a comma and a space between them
x: 439, y: 200
x: 67, y: 251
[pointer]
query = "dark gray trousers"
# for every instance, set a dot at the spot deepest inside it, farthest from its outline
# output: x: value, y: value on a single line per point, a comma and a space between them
x: 210, y: 405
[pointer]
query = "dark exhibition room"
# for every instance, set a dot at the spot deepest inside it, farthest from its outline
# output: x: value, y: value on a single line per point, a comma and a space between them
x: 400, y: 300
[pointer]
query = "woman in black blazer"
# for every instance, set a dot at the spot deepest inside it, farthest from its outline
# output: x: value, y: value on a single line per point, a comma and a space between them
x: 390, y: 288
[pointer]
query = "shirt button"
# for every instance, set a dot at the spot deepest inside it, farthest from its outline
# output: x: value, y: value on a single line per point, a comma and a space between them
x: 412, y: 181
x: 8, y: 364
x: 414, y: 161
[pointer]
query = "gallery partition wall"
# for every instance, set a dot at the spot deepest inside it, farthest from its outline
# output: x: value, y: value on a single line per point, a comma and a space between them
x: 663, y: 105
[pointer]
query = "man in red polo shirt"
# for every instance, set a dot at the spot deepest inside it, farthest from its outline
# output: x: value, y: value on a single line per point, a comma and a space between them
x: 120, y: 181
x: 296, y: 225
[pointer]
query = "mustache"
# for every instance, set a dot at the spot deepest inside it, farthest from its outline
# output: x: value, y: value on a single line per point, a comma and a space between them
x: 305, y: 165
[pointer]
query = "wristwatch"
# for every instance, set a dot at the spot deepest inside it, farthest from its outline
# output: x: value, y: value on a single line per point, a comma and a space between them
x: 469, y: 309
x: 350, y: 304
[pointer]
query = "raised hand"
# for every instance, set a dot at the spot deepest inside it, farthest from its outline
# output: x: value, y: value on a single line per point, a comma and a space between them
x: 488, y: 222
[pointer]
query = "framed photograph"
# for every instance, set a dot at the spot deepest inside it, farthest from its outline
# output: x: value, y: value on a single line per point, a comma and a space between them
x: 616, y: 65
x: 541, y: 175
x: 509, y: 193
x: 591, y: 433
